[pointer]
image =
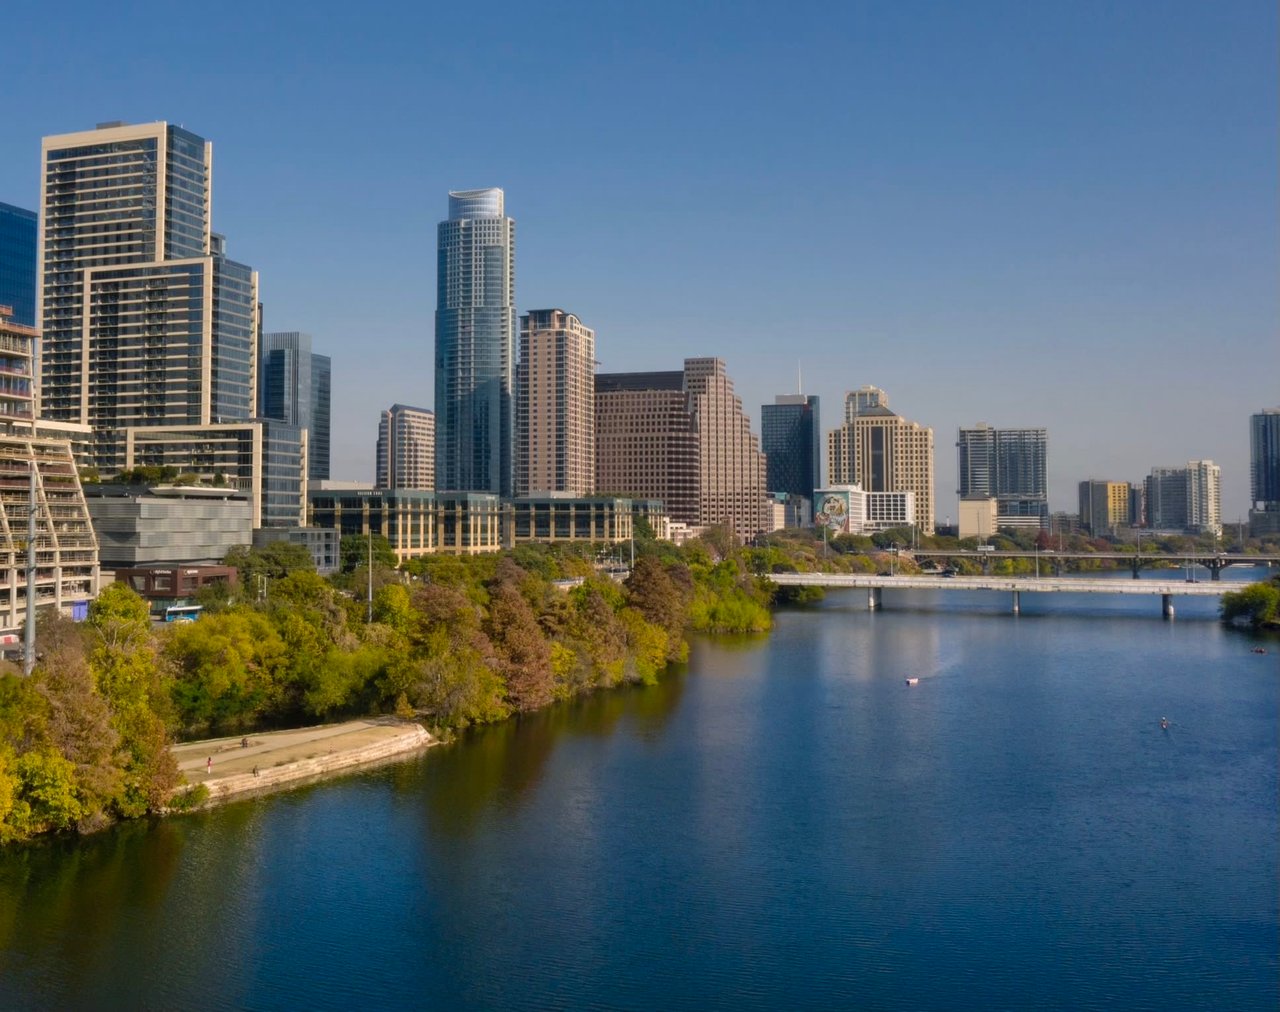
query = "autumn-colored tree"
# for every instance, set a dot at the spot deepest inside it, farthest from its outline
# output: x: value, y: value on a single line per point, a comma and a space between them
x: 523, y: 654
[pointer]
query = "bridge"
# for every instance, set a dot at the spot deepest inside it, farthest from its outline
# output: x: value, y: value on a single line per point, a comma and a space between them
x: 1215, y: 562
x: 1016, y: 586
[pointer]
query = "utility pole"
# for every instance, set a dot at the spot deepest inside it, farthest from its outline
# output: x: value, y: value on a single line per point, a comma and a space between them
x: 369, y: 610
x: 29, y: 628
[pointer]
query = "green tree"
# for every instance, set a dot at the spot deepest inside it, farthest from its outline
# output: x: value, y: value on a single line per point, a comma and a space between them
x: 274, y: 561
x: 1258, y: 604
x: 228, y: 670
x: 123, y: 659
x: 354, y: 552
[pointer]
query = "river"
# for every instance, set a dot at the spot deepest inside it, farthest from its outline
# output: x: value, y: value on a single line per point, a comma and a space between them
x: 784, y: 825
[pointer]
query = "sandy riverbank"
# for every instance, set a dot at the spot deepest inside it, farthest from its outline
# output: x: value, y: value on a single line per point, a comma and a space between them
x: 278, y: 759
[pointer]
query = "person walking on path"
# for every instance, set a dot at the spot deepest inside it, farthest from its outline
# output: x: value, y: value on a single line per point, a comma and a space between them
x: 208, y: 765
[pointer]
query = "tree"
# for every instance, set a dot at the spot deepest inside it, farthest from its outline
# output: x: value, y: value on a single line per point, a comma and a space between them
x: 123, y: 660
x: 524, y: 657
x: 1258, y: 604
x: 274, y: 560
x: 354, y: 552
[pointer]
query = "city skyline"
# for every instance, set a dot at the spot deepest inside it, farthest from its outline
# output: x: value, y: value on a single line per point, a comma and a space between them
x: 1002, y: 238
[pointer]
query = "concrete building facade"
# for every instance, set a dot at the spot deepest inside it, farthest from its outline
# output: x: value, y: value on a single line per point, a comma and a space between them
x: 139, y: 526
x: 67, y: 575
x: 683, y: 438
x: 1104, y: 505
x: 881, y: 451
x: 555, y: 405
x: 1185, y: 498
x: 405, y: 454
x: 415, y: 523
x: 265, y: 459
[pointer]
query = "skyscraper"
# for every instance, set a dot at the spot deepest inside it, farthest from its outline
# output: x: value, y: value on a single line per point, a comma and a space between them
x: 555, y: 405
x: 475, y: 345
x: 1264, y: 472
x: 682, y: 437
x: 405, y: 453
x: 882, y: 452
x: 1010, y: 466
x: 1185, y: 498
x: 791, y: 437
x: 18, y: 263
x: 294, y: 386
x: 1104, y: 505
x: 146, y: 321
x: 150, y: 330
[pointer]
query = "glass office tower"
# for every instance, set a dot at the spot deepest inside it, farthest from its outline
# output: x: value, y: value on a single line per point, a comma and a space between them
x: 294, y: 386
x: 475, y: 345
x: 18, y: 263
x: 791, y: 438
x: 1010, y: 466
x: 1264, y: 473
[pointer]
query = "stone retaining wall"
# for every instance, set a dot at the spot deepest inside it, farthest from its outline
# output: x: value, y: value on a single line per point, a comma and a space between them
x: 288, y: 774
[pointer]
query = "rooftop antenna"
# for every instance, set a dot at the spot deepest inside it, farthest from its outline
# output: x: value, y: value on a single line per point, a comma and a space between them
x: 799, y: 380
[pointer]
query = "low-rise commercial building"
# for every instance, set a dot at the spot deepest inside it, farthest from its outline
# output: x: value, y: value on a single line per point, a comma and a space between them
x: 850, y: 509
x: 168, y: 525
x: 558, y: 518
x: 414, y: 522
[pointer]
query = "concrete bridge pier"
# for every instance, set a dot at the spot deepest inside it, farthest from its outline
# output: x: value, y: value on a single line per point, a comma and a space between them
x: 873, y: 599
x: 1166, y: 605
x: 1017, y: 602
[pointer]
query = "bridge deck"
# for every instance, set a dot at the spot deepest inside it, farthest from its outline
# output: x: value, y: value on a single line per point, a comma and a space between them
x: 1030, y: 584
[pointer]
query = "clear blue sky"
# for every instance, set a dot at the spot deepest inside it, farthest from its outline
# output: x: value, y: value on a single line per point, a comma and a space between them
x: 1018, y: 213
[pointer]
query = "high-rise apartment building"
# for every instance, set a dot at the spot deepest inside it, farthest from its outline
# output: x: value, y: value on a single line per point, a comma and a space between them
x: 151, y: 332
x: 682, y: 437
x: 18, y: 263
x: 67, y: 575
x: 555, y: 405
x: 1010, y: 466
x: 791, y: 437
x: 294, y: 385
x: 475, y: 345
x: 406, y: 453
x: 881, y: 451
x: 1264, y: 473
x: 1185, y: 498
x: 1104, y: 505
x: 146, y: 321
x: 1204, y: 497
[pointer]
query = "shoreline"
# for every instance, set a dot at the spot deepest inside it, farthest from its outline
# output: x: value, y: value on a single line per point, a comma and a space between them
x: 276, y: 760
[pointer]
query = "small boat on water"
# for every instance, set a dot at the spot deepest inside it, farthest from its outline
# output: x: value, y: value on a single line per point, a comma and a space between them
x: 913, y: 681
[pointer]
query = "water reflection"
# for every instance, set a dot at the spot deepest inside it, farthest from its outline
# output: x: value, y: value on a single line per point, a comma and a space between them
x: 789, y: 825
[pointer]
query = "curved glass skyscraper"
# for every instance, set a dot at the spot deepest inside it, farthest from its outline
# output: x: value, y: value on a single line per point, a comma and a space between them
x: 475, y: 345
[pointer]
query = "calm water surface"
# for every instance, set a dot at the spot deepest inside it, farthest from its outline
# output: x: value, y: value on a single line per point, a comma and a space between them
x: 786, y: 825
